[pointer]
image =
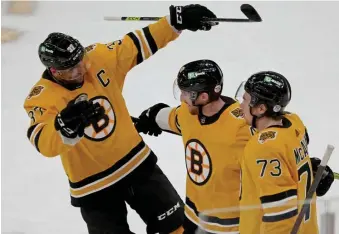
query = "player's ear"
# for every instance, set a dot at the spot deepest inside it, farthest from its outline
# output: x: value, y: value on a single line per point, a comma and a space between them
x: 55, y: 72
x: 204, y: 97
x: 52, y: 70
x: 262, y: 108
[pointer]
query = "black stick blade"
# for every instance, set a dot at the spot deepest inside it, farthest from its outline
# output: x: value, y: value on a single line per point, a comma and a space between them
x: 250, y: 12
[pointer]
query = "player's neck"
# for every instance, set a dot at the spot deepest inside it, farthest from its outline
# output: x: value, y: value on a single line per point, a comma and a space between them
x: 265, y: 122
x: 213, y: 108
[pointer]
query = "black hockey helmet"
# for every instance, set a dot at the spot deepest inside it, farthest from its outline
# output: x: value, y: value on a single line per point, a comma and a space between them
x: 201, y: 76
x: 269, y: 88
x: 60, y: 51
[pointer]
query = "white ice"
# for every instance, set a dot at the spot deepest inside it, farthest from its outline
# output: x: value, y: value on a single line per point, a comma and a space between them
x: 298, y: 39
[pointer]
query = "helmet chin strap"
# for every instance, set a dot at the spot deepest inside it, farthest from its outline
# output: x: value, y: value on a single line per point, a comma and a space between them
x: 199, y: 105
x: 255, y: 118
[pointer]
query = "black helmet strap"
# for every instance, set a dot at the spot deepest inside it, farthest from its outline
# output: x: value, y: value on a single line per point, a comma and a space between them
x: 255, y: 118
x: 213, y: 96
x: 269, y: 113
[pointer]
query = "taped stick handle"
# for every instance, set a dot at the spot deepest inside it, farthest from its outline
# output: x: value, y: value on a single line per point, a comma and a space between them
x: 336, y: 175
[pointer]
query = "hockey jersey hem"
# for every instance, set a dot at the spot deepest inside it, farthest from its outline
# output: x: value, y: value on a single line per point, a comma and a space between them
x: 210, y: 224
x: 126, y: 167
x: 105, y: 195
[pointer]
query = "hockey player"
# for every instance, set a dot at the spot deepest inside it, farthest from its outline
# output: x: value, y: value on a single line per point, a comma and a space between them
x: 276, y: 168
x: 77, y: 111
x: 214, y: 135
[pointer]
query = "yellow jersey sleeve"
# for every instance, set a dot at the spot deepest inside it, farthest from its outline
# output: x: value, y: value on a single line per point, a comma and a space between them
x: 275, y: 186
x: 134, y: 48
x: 41, y: 132
x: 173, y: 119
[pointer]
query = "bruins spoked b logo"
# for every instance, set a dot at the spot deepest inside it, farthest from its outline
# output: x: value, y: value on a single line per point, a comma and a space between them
x: 198, y: 162
x: 99, y: 131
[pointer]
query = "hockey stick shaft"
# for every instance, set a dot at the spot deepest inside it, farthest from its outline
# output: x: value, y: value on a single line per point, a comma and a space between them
x: 248, y: 10
x: 146, y: 18
x: 311, y: 191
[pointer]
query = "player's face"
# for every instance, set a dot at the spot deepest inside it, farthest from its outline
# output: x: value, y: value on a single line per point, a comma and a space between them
x: 72, y: 75
x: 245, y: 106
x: 185, y: 96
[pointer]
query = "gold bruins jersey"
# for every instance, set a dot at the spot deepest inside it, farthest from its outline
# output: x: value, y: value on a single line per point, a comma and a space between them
x: 111, y: 148
x: 276, y: 174
x: 213, y: 146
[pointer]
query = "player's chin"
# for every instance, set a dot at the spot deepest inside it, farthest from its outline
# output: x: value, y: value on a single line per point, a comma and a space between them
x: 193, y: 110
x: 77, y: 79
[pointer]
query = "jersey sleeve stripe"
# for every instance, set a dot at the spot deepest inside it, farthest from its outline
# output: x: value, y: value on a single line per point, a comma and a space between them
x: 279, y: 203
x: 177, y: 120
x: 177, y: 124
x: 136, y: 42
x: 150, y: 40
x: 307, y: 138
x: 141, y: 44
x: 278, y: 196
x: 30, y: 130
x: 33, y: 134
x: 37, y: 128
x: 279, y: 216
x: 36, y: 140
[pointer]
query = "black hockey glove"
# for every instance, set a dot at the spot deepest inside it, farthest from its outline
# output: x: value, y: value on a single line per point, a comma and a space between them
x: 326, y: 180
x: 76, y: 116
x: 191, y: 17
x: 146, y: 123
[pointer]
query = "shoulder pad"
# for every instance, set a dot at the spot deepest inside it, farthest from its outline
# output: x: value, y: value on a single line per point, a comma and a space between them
x: 237, y: 113
x: 267, y: 135
x: 43, y: 94
x: 295, y: 119
x: 90, y: 47
x: 35, y: 91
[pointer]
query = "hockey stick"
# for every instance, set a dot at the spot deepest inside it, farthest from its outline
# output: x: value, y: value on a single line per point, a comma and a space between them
x: 311, y: 191
x: 135, y: 120
x: 249, y: 11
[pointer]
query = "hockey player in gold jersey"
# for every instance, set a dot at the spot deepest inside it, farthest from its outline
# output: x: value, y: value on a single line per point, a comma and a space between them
x: 214, y: 135
x: 77, y: 111
x: 276, y: 166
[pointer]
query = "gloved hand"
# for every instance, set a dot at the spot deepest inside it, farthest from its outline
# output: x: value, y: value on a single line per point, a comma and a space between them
x: 147, y: 120
x: 190, y: 17
x: 326, y: 180
x: 76, y: 116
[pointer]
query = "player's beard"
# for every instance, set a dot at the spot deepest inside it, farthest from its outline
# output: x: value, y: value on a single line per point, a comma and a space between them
x: 77, y: 79
x: 194, y: 110
x: 78, y: 75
